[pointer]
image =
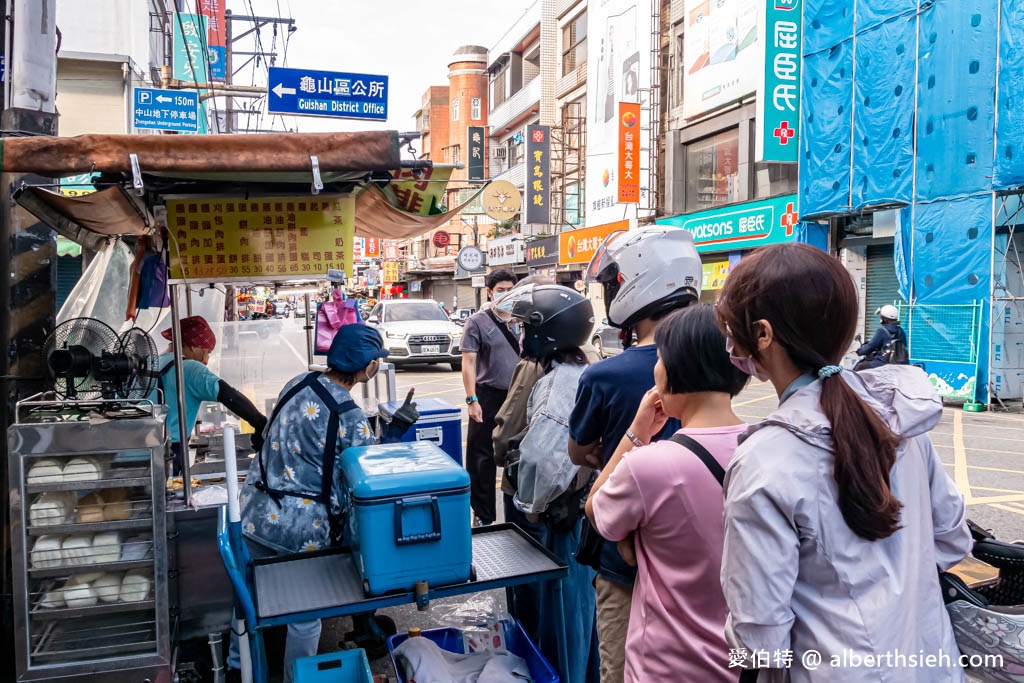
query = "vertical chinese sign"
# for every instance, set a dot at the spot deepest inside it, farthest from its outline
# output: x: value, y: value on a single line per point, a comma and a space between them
x: 265, y: 240
x: 190, y: 58
x: 538, y: 174
x: 216, y: 37
x: 629, y: 153
x: 779, y: 102
x: 372, y: 247
x: 475, y: 145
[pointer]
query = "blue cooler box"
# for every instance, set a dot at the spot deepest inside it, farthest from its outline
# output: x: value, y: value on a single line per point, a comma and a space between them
x: 408, y: 515
x: 440, y: 423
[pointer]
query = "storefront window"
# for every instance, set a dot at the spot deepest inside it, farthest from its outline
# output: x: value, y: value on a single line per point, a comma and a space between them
x: 773, y: 179
x: 712, y: 171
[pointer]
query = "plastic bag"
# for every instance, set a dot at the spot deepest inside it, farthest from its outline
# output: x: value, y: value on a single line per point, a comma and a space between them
x: 482, y: 620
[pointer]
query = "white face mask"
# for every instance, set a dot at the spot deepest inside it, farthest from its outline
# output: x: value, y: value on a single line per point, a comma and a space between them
x: 370, y: 374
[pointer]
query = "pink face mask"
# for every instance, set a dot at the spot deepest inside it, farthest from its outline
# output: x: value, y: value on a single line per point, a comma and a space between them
x: 744, y: 365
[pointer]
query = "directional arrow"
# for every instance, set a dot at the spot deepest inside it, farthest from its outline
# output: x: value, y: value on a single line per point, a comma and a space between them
x: 161, y: 98
x: 281, y: 91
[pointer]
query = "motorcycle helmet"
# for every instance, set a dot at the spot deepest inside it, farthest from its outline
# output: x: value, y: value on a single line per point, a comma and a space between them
x: 555, y: 318
x: 888, y: 312
x: 646, y: 273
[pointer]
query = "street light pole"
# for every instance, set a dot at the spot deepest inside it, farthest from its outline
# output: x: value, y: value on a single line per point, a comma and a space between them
x: 476, y: 290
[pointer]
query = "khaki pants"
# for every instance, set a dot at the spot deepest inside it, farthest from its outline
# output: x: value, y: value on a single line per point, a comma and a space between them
x: 613, y: 602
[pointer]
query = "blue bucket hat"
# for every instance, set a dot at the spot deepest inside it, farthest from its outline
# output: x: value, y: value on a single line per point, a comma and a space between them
x: 353, y: 348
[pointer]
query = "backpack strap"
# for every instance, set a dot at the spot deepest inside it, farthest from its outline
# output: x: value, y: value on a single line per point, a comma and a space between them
x: 717, y: 471
x: 335, y: 410
x: 507, y: 333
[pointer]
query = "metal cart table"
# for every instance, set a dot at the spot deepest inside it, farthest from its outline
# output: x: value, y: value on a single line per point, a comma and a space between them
x: 296, y: 588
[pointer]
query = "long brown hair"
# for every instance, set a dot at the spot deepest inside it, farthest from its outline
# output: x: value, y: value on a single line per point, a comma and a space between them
x: 811, y: 303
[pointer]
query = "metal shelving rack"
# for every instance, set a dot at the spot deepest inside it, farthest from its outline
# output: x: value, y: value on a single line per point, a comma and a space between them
x: 116, y: 640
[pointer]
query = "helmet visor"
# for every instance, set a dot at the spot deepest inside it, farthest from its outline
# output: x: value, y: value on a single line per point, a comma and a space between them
x: 602, y: 259
x: 516, y: 303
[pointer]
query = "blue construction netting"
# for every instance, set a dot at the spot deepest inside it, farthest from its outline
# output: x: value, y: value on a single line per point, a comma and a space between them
x: 1009, y: 154
x: 956, y: 104
x: 872, y: 12
x: 825, y: 141
x: 883, y: 115
x: 826, y: 24
x: 952, y: 250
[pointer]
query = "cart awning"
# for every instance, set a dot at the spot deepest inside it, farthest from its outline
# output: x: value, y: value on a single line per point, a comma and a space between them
x: 226, y: 165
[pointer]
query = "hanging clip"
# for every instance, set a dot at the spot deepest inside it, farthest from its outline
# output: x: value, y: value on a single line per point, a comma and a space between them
x: 318, y: 184
x: 137, y: 184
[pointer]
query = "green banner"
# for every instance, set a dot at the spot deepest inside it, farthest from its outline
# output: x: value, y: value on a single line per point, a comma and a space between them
x: 778, y: 106
x: 741, y: 226
x: 190, y: 59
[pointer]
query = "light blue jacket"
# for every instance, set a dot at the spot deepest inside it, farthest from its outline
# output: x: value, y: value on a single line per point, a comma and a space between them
x: 796, y: 578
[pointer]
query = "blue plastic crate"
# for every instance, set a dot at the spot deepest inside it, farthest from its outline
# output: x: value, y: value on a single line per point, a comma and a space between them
x: 516, y: 642
x: 346, y: 666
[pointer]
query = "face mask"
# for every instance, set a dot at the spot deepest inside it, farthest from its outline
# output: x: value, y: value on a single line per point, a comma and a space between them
x: 744, y: 365
x: 371, y: 374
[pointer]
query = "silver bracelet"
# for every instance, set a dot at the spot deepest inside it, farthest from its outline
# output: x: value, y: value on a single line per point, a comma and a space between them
x: 634, y: 439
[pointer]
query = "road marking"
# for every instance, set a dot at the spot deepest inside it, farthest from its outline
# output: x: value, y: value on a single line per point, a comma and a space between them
x: 982, y: 450
x: 994, y: 469
x: 936, y: 432
x: 960, y: 457
x: 754, y: 400
x: 989, y: 500
x: 1008, y: 508
x: 985, y: 488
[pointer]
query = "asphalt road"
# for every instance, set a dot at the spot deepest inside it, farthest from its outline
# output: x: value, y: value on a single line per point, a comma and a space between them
x: 983, y: 452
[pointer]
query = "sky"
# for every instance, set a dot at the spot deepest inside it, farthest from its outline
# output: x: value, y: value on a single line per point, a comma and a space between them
x: 410, y: 41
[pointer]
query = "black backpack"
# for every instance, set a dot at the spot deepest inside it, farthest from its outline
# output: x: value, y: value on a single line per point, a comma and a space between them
x: 895, y: 351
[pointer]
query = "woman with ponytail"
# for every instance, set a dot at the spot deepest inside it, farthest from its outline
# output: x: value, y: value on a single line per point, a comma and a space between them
x: 838, y: 513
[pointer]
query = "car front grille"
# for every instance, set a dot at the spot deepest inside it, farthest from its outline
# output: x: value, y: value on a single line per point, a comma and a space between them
x: 417, y: 341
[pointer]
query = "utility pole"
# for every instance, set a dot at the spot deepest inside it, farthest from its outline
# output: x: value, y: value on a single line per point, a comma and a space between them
x: 476, y: 232
x: 28, y: 248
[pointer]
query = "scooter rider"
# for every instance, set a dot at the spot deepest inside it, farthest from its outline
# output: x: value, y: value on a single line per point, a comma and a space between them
x: 889, y: 343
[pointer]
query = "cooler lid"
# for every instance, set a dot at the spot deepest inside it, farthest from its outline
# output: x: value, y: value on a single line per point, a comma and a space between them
x: 425, y: 406
x: 399, y: 469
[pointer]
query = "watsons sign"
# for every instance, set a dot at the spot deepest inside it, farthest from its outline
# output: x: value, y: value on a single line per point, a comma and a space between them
x: 741, y: 226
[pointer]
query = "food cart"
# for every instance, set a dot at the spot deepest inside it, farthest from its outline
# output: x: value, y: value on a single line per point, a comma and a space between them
x: 259, y: 210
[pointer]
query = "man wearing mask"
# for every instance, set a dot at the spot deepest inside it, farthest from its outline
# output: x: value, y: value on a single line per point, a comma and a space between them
x: 490, y: 352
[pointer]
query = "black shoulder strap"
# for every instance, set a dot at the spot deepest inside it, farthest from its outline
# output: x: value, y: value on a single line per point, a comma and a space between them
x: 511, y: 338
x: 709, y: 461
x: 161, y: 375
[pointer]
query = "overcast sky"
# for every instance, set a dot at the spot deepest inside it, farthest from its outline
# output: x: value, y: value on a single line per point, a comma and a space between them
x: 410, y: 41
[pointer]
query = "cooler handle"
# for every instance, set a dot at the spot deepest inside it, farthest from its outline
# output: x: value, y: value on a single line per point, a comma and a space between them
x: 435, y: 512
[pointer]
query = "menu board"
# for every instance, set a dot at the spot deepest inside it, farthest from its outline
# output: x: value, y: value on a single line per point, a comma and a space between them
x: 260, y: 239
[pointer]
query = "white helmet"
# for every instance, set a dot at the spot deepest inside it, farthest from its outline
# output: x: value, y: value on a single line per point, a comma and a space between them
x: 646, y: 272
x: 888, y: 312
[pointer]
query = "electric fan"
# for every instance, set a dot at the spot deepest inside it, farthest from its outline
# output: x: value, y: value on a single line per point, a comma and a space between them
x: 136, y: 365
x: 70, y: 352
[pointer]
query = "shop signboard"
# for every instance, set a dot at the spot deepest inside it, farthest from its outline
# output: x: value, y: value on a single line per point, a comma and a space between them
x: 335, y: 94
x: 720, y: 53
x: 265, y: 239
x: 391, y: 271
x: 501, y: 200
x: 78, y: 185
x: 629, y: 153
x: 741, y: 226
x: 501, y: 251
x: 579, y: 246
x: 714, y: 275
x: 618, y: 71
x: 371, y: 247
x: 475, y: 159
x: 176, y: 110
x: 189, y: 37
x: 419, y: 191
x: 390, y: 250
x: 216, y: 37
x: 538, y: 174
x: 778, y: 102
x: 470, y: 259
x: 542, y: 252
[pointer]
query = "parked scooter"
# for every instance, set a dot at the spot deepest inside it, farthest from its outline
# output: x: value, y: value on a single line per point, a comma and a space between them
x: 988, y: 619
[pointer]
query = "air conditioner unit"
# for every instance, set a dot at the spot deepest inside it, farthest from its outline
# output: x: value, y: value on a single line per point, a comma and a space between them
x: 499, y: 152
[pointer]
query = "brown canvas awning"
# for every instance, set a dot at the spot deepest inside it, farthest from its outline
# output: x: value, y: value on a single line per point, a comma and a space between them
x: 184, y: 155
x: 376, y: 217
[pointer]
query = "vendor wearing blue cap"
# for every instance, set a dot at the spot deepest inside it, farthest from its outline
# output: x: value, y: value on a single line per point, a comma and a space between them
x: 291, y: 501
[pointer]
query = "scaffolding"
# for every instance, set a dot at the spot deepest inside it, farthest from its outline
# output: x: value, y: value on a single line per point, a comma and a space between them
x: 651, y: 196
x: 568, y: 167
x: 1006, y: 319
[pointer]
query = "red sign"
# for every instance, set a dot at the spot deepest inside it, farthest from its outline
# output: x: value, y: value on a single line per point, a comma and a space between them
x: 442, y: 239
x: 629, y: 153
x: 372, y: 248
x: 214, y: 11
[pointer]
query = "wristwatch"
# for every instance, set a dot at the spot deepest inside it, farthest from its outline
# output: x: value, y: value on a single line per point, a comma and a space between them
x: 470, y: 400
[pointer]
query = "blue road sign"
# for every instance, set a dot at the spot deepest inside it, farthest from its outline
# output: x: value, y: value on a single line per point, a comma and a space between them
x: 327, y: 93
x: 166, y: 110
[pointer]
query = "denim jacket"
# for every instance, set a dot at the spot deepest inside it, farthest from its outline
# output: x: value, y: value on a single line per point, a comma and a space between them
x: 545, y: 470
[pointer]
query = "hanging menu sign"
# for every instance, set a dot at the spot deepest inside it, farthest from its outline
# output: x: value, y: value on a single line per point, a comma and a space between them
x: 266, y: 239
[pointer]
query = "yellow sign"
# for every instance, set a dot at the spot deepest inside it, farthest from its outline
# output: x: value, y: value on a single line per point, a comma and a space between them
x: 266, y: 238
x: 714, y: 275
x: 501, y: 200
x: 419, y: 191
x: 391, y: 271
